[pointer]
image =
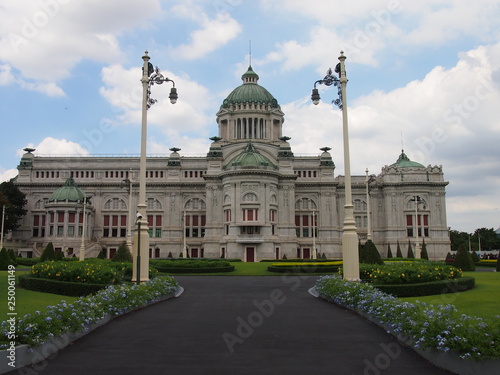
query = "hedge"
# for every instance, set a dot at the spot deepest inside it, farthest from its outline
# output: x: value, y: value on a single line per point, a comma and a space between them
x: 194, y: 270
x: 65, y: 288
x: 303, y: 269
x: 299, y: 260
x: 429, y: 288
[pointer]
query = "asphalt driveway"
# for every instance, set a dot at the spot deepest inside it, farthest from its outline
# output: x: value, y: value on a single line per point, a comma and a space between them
x: 238, y: 325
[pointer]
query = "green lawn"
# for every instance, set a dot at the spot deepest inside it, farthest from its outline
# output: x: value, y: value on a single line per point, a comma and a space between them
x: 27, y: 301
x: 482, y: 301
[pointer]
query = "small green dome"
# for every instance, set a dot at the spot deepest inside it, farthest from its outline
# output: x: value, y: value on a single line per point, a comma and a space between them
x: 405, y: 162
x: 250, y: 92
x: 250, y: 158
x: 68, y: 192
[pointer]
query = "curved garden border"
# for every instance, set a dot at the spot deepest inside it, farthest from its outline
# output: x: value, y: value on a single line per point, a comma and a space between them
x: 26, y: 356
x: 449, y: 361
x: 66, y: 288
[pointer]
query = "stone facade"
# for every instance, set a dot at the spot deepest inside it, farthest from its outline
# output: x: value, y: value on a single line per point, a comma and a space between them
x: 250, y: 198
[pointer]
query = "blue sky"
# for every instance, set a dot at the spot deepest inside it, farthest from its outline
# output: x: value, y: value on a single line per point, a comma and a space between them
x: 423, y: 74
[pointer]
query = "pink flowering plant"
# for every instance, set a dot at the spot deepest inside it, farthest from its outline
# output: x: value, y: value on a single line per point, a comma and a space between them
x: 439, y: 327
x: 35, y: 329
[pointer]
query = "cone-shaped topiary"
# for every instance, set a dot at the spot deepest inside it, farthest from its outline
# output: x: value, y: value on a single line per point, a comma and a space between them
x: 361, y: 253
x: 475, y: 257
x: 423, y: 253
x: 410, y: 251
x: 101, y: 254
x: 4, y: 259
x: 48, y: 253
x: 122, y: 254
x: 169, y: 255
x: 389, y: 251
x: 371, y: 254
x: 58, y: 256
x: 12, y: 256
x: 463, y: 259
x: 284, y: 256
x: 399, y: 254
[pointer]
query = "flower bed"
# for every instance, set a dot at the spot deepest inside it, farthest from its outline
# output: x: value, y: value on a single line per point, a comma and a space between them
x: 407, y: 272
x: 93, y: 272
x: 437, y: 327
x: 34, y: 329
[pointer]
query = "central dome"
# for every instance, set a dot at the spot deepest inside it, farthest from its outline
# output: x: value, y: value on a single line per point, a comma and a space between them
x: 250, y: 92
x: 68, y: 192
x: 250, y: 158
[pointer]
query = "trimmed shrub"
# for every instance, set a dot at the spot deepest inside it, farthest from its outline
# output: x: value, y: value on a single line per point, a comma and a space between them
x: 191, y: 266
x: 284, y: 256
x: 449, y: 258
x: 58, y: 256
x: 463, y: 259
x: 423, y: 253
x: 101, y: 255
x: 93, y: 272
x: 475, y: 257
x: 12, y: 256
x: 169, y: 255
x: 305, y: 267
x: 27, y: 261
x: 65, y: 288
x: 429, y: 288
x: 122, y: 254
x: 399, y: 254
x: 371, y: 254
x: 410, y: 254
x: 48, y: 253
x: 5, y: 260
x: 389, y: 251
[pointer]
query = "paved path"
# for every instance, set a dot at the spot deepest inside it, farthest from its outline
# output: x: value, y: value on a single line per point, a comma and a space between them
x: 239, y: 325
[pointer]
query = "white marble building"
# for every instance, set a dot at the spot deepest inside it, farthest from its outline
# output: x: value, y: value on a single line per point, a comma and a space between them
x: 249, y: 198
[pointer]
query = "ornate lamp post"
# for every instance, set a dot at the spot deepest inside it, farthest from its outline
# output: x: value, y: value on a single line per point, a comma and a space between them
x: 368, y: 180
x: 349, y: 234
x: 150, y: 76
x: 82, y: 244
x: 417, y: 200
x: 127, y: 184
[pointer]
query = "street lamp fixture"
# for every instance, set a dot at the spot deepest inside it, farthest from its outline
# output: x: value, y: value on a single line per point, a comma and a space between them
x: 150, y: 77
x: 349, y: 234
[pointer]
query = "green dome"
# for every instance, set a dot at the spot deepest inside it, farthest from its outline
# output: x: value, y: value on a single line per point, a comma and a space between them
x: 250, y: 92
x: 250, y: 158
x: 405, y: 162
x: 68, y: 192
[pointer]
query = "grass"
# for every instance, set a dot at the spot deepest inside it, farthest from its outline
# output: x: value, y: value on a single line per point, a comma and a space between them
x: 482, y: 301
x: 27, y: 301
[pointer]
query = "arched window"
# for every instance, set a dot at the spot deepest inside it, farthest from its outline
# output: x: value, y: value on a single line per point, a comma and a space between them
x: 115, y: 204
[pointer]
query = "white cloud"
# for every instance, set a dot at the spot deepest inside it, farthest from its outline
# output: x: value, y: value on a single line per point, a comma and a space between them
x: 213, y: 34
x: 449, y: 118
x: 44, y: 40
x: 191, y: 115
x: 372, y: 26
x: 53, y: 146
x: 7, y: 174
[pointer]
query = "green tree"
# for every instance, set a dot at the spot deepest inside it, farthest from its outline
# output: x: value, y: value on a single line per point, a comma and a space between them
x: 12, y: 256
x: 58, y: 256
x: 101, y: 254
x: 4, y: 259
x: 122, y: 254
x: 475, y: 257
x: 389, y: 251
x: 371, y: 254
x: 423, y: 253
x: 14, y: 201
x: 48, y: 253
x: 410, y: 251
x: 399, y: 254
x: 463, y: 259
